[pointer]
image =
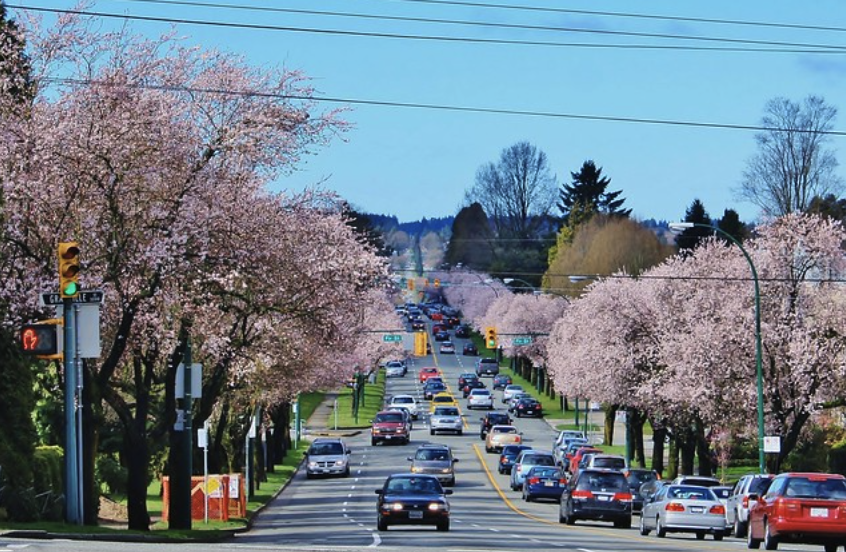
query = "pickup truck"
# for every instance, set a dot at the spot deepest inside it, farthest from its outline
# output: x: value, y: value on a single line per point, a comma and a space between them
x: 487, y: 367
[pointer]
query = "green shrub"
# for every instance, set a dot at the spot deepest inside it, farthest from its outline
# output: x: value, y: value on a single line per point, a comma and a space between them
x: 48, y: 467
x: 837, y: 458
x: 111, y: 474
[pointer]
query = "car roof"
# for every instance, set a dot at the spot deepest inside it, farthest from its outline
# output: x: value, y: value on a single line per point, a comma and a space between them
x: 434, y: 446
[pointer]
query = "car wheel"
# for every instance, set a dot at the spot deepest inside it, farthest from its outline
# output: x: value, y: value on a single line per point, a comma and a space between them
x: 526, y: 496
x: 739, y: 528
x: 570, y: 518
x: 443, y: 526
x: 660, y: 530
x: 309, y: 475
x: 751, y: 542
x: 700, y: 535
x: 373, y: 442
x: 561, y: 518
x: 830, y: 548
x: 643, y: 530
x: 718, y: 536
x: 347, y: 472
x: 431, y: 432
x: 382, y: 524
x: 460, y: 432
x: 770, y: 541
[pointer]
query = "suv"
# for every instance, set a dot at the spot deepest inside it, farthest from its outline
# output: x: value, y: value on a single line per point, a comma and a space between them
x: 327, y: 457
x: 491, y: 419
x: 389, y: 425
x: 524, y: 462
x: 446, y: 418
x: 597, y: 494
x: 487, y: 367
x: 405, y: 402
x: 737, y: 507
x: 435, y: 460
x: 608, y: 461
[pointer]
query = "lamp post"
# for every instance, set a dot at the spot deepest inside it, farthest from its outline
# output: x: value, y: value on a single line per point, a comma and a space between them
x: 759, y: 369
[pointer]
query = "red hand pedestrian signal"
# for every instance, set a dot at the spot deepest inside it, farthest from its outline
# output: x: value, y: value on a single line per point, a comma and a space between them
x: 29, y: 338
x: 42, y: 339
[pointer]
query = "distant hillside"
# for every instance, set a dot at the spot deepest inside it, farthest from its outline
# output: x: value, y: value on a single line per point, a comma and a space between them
x: 388, y: 223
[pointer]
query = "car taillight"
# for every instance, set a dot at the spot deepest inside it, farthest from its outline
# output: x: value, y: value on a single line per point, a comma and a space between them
x: 563, y: 481
x: 719, y: 510
x: 623, y: 497
x: 503, y: 460
x: 674, y: 507
x: 745, y: 502
x: 582, y: 494
x: 534, y: 481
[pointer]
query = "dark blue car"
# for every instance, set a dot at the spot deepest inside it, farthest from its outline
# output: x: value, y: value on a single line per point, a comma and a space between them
x: 544, y: 482
x: 508, y: 455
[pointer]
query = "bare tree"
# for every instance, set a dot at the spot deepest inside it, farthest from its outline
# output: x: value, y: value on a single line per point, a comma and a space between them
x: 792, y: 166
x: 517, y: 192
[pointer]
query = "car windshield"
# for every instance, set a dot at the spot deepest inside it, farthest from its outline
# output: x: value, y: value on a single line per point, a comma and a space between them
x: 392, y: 417
x: 433, y: 455
x: 691, y: 493
x: 446, y: 411
x: 611, y: 463
x: 414, y: 485
x: 801, y: 487
x: 594, y: 481
x: 325, y: 449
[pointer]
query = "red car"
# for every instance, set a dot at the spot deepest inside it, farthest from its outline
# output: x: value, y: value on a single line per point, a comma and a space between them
x: 430, y: 372
x: 390, y: 426
x: 805, y: 508
x: 574, y: 461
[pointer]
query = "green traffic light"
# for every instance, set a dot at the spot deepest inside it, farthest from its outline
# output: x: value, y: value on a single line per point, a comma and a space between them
x: 70, y: 289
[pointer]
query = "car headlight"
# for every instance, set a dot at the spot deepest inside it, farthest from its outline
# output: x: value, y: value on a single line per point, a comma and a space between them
x: 312, y: 464
x: 445, y: 470
x: 436, y: 506
x: 396, y: 506
x: 339, y: 462
x: 415, y: 469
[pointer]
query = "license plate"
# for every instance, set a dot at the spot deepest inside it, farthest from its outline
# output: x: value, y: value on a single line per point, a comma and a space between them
x: 415, y: 514
x: 819, y: 512
x: 603, y: 498
x: 697, y: 509
x: 549, y: 483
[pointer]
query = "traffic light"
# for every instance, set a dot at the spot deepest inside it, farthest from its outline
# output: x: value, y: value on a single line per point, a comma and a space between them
x: 69, y: 269
x: 42, y: 339
x: 411, y: 284
x: 490, y: 337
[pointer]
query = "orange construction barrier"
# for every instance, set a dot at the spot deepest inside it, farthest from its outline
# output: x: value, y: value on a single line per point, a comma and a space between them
x: 225, y: 493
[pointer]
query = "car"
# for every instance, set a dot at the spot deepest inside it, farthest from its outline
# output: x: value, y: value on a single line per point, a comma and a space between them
x: 507, y: 457
x: 439, y: 328
x: 544, y: 482
x: 418, y: 324
x: 737, y: 505
x: 406, y: 402
x: 464, y: 377
x: 684, y: 508
x: 799, y: 507
x: 491, y: 419
x: 428, y: 372
x: 389, y: 426
x: 528, y: 406
x: 524, y: 463
x: 469, y: 349
x: 502, y: 435
x: 512, y: 402
x: 608, y: 461
x: 567, y: 457
x: 452, y: 321
x: 567, y: 435
x: 560, y: 452
x: 442, y: 336
x: 412, y: 499
x: 500, y: 381
x: 637, y: 477
x: 597, y: 494
x: 462, y: 331
x: 579, y: 455
x: 510, y: 390
x: 446, y: 418
x: 435, y: 315
x: 479, y: 398
x: 432, y: 388
x: 487, y: 367
x: 442, y: 399
x: 395, y: 368
x: 327, y: 457
x: 435, y: 460
x: 470, y: 386
x: 723, y: 492
x: 701, y: 480
x: 447, y: 348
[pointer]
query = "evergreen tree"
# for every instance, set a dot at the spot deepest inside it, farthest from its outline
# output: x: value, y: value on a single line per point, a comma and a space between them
x: 470, y: 243
x: 691, y: 237
x: 732, y: 225
x: 588, y: 193
x: 829, y: 206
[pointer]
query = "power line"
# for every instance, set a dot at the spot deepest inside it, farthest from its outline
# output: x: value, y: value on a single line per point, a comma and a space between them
x: 513, y: 26
x: 469, y: 40
x: 444, y: 107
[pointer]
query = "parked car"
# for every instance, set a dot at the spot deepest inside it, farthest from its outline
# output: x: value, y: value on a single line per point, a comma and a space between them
x: 684, y: 508
x: 395, y: 368
x: 412, y: 499
x: 442, y: 399
x: 808, y: 508
x: 470, y: 385
x: 491, y: 419
x: 480, y: 398
x: 487, y: 367
x: 737, y: 506
x: 511, y: 390
x: 428, y: 372
x: 507, y: 457
x: 544, y: 482
x: 390, y: 426
x: 597, y: 494
x: 469, y: 349
x: 528, y: 406
x: 435, y: 460
x: 327, y: 457
x: 500, y: 381
x: 524, y: 462
x: 501, y: 435
x: 636, y: 478
x: 446, y: 418
x: 406, y: 402
x: 447, y: 348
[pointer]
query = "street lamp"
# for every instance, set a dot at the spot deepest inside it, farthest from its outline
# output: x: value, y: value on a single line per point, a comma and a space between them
x: 759, y: 369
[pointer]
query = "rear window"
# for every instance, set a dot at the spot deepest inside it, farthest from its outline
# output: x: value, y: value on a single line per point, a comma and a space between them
x: 403, y: 400
x: 446, y: 411
x: 611, y: 463
x: 801, y: 487
x: 691, y: 493
x: 539, y: 460
x: 594, y: 481
x: 496, y: 429
x: 641, y: 477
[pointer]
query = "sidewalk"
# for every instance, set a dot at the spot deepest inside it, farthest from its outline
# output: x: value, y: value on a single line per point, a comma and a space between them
x: 321, y: 423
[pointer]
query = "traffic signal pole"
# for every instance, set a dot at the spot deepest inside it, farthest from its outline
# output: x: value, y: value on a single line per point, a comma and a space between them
x: 73, y: 513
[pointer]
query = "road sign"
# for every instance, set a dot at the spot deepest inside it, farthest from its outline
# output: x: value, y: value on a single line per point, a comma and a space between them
x: 391, y: 338
x: 522, y: 340
x: 86, y: 296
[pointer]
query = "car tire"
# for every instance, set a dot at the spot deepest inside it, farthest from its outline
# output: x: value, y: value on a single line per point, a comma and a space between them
x: 700, y: 535
x: 643, y: 530
x: 561, y: 518
x: 770, y: 541
x: 381, y: 524
x: 660, y: 530
x: 738, y: 529
x: 431, y: 432
x: 373, y: 442
x: 751, y: 543
x: 718, y: 536
x: 309, y: 475
x: 347, y: 472
x: 460, y: 432
x: 443, y: 526
x: 526, y: 496
x: 830, y: 548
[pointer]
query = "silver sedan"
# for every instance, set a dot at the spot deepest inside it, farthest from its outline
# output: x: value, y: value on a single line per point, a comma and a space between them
x: 684, y: 509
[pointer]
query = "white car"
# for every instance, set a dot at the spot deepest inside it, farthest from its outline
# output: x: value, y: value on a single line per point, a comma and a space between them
x: 395, y: 369
x: 446, y: 418
x: 567, y: 435
x: 405, y: 402
x: 479, y: 398
x: 510, y: 391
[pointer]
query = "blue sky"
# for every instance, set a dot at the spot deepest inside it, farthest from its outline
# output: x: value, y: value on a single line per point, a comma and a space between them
x: 416, y: 163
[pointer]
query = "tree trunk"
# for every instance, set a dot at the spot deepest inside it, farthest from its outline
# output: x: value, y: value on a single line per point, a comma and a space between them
x: 703, y: 452
x: 610, y: 415
x: 673, y: 464
x: 638, y: 420
x: 687, y: 446
x: 659, y: 434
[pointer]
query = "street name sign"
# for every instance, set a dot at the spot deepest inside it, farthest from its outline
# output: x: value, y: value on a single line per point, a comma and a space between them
x: 85, y: 297
x: 523, y: 340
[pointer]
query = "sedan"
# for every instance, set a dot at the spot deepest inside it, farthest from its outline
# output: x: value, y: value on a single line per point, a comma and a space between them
x: 442, y: 336
x: 428, y: 372
x: 501, y: 381
x: 395, y: 368
x: 433, y: 388
x: 544, y: 482
x: 501, y: 435
x: 528, y: 407
x: 510, y: 391
x: 412, y: 499
x: 684, y: 508
x: 447, y: 348
x: 507, y: 457
x: 446, y: 418
x: 442, y: 399
x: 480, y: 398
x: 470, y: 386
x: 799, y: 507
x: 469, y: 349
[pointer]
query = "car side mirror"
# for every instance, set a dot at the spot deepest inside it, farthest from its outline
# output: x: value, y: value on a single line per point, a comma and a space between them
x: 379, y: 491
x: 455, y: 460
x: 448, y: 491
x: 410, y: 459
x: 305, y: 453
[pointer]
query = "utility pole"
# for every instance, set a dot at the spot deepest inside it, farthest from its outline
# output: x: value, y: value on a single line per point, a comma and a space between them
x: 180, y: 482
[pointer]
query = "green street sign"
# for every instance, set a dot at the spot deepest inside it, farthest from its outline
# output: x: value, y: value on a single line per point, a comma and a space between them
x: 522, y: 341
x: 391, y: 338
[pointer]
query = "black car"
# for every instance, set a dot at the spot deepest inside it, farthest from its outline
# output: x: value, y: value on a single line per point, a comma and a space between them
x: 501, y: 380
x: 462, y: 331
x: 636, y: 478
x: 528, y: 406
x: 491, y: 419
x: 465, y: 377
x: 412, y: 499
x: 508, y: 455
x: 442, y: 336
x: 432, y: 388
x: 471, y: 385
x: 418, y: 324
x: 597, y: 494
x: 469, y: 349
